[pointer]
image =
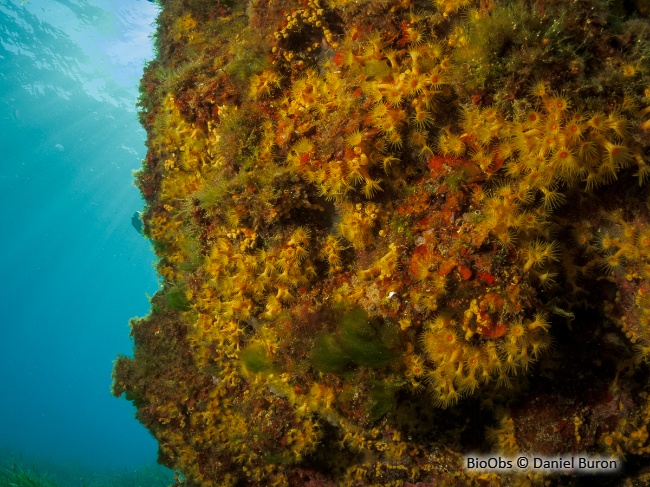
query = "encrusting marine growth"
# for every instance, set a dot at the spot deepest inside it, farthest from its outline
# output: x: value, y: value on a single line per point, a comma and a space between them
x: 391, y: 233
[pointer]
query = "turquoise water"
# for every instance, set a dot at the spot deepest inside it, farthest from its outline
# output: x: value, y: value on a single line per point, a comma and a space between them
x: 72, y: 268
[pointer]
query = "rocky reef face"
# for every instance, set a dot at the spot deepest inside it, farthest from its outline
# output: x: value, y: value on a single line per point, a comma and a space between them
x: 394, y: 232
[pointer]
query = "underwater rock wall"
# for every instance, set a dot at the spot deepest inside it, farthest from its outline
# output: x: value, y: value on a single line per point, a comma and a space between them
x: 391, y: 233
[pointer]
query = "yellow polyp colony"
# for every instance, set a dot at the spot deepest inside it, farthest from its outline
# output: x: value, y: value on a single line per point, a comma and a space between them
x: 503, y: 437
x: 619, y: 247
x: 264, y: 83
x: 370, y: 226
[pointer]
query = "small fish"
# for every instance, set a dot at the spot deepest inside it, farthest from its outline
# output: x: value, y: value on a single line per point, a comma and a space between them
x: 136, y: 221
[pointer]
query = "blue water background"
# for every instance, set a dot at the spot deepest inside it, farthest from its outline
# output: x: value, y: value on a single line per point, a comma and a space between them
x: 73, y: 270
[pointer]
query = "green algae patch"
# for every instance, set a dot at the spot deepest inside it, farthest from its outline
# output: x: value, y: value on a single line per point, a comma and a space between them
x: 382, y: 399
x: 176, y: 299
x: 358, y: 341
x: 256, y: 358
x: 369, y: 343
x: 328, y: 355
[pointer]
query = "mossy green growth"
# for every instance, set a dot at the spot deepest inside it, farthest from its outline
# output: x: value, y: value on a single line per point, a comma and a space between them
x: 256, y: 358
x: 512, y: 39
x: 214, y: 194
x: 249, y: 58
x: 402, y: 227
x: 382, y: 399
x: 137, y: 399
x: 455, y: 180
x: 369, y: 343
x: 195, y: 258
x: 239, y: 139
x: 277, y: 458
x: 176, y: 299
x: 328, y: 355
x: 358, y: 341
